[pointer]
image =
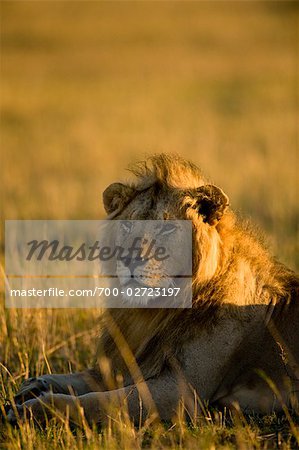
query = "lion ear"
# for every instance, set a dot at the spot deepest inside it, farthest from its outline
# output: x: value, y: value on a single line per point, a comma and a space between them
x: 211, y: 203
x: 116, y: 197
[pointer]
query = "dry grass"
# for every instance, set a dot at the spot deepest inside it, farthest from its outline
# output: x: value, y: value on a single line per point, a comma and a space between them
x: 87, y: 88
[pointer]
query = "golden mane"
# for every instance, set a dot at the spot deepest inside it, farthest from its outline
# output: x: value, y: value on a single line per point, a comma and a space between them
x: 169, y: 170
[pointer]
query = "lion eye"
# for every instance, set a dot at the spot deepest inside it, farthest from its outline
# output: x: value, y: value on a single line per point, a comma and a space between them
x: 127, y: 226
x: 168, y: 228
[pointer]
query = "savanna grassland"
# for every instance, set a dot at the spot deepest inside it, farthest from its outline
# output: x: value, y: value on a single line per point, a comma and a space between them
x: 88, y: 88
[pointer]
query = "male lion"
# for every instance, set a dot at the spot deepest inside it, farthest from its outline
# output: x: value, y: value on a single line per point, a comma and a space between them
x: 238, y: 344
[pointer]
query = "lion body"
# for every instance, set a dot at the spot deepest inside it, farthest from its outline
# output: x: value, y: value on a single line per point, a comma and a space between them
x: 239, y: 343
x: 245, y: 304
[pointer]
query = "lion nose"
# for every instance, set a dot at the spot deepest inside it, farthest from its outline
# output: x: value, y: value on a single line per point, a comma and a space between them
x: 133, y: 263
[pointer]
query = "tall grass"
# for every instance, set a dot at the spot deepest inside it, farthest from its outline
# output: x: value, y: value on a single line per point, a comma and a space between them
x: 89, y: 87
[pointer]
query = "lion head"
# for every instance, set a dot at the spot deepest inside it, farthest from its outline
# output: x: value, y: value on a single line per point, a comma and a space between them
x: 167, y: 189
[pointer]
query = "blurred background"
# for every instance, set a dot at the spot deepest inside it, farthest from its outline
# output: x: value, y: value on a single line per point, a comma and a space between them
x: 88, y: 88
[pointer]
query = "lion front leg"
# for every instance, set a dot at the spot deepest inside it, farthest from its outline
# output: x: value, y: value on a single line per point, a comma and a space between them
x: 155, y: 398
x: 77, y: 384
x: 47, y: 406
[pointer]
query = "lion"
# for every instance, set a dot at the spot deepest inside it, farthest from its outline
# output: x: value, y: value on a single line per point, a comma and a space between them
x: 237, y: 345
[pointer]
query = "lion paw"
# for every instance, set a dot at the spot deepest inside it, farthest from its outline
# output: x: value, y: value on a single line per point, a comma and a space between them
x: 38, y: 409
x: 31, y: 388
